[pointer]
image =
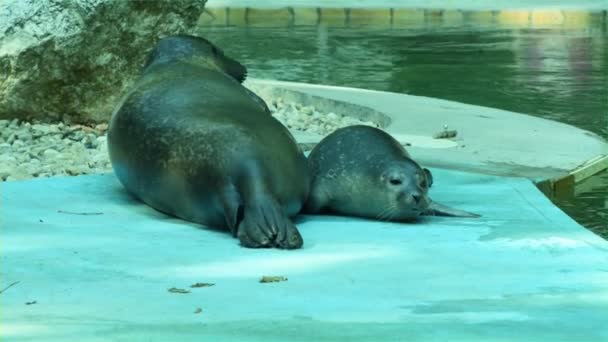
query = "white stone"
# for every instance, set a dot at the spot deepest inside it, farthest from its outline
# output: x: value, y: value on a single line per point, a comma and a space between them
x: 54, y: 129
x: 50, y: 153
x: 41, y: 128
x: 332, y: 116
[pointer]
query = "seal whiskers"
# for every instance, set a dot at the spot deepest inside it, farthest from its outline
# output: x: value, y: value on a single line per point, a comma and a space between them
x: 388, y: 213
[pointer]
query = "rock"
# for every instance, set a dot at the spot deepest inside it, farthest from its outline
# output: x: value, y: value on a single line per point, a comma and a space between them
x: 42, y: 129
x: 73, y: 59
x: 54, y: 129
x: 50, y: 153
x: 101, y: 140
x: 20, y: 172
x: 77, y: 170
x: 11, y: 138
x: 76, y: 135
x: 100, y: 159
x: 307, y: 110
x: 332, y: 116
x: 47, y: 168
x: 102, y: 127
x: 26, y: 136
x: 4, y: 172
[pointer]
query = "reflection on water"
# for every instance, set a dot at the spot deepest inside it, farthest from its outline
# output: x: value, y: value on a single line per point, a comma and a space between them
x: 523, y: 63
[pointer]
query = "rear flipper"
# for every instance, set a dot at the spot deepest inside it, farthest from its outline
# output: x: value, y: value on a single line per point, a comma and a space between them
x: 437, y: 209
x: 266, y: 224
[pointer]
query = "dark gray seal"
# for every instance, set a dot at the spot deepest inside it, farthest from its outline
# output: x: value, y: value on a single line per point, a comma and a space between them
x: 189, y: 140
x: 363, y: 171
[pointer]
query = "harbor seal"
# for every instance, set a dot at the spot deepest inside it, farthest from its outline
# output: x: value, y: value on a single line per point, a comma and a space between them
x: 190, y: 141
x: 363, y: 171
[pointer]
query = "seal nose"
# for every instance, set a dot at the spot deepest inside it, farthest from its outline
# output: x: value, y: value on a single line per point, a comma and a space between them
x: 417, y: 198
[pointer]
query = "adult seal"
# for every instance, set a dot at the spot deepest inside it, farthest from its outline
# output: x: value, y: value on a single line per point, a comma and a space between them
x: 190, y: 141
x: 363, y: 171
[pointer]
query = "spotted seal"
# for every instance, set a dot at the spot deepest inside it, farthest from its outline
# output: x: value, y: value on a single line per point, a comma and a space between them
x: 191, y: 141
x: 363, y: 171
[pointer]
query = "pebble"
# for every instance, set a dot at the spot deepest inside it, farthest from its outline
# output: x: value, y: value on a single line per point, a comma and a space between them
x: 44, y: 129
x: 50, y: 153
x: 34, y: 149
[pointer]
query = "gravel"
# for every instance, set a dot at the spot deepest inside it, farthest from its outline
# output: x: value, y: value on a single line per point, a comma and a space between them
x: 30, y: 150
x: 34, y: 149
x: 307, y: 119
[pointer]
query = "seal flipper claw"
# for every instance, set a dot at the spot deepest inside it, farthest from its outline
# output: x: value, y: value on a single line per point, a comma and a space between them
x: 254, y: 230
x: 438, y: 209
x: 288, y: 237
x: 265, y: 224
x: 247, y: 241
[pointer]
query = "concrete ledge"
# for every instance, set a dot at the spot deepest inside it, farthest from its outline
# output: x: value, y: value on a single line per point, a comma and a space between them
x: 489, y: 141
x: 416, y: 4
x: 524, y: 271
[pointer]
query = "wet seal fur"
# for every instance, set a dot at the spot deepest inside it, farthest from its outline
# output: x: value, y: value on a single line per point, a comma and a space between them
x: 363, y: 171
x: 190, y: 141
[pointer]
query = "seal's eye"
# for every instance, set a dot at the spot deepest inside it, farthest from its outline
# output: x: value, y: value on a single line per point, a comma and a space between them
x: 396, y: 181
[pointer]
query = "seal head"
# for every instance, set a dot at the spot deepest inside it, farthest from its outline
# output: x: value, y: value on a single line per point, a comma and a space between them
x: 403, y: 190
x: 196, y: 50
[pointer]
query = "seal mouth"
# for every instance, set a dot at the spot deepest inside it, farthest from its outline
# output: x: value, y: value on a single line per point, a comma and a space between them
x: 411, y: 216
x: 400, y: 212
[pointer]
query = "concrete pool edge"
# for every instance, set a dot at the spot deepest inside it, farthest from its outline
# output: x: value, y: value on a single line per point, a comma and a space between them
x: 523, y: 266
x: 399, y: 14
x: 517, y: 144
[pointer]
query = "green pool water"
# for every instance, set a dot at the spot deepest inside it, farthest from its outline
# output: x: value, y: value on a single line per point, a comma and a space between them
x: 557, y: 71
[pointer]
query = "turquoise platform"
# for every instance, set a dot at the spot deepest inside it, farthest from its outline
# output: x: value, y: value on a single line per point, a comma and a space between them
x: 524, y: 271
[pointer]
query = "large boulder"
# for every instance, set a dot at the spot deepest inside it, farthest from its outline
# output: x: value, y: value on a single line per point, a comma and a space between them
x: 73, y: 59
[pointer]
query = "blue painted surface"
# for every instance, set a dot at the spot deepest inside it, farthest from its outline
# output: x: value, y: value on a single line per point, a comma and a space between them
x: 523, y: 271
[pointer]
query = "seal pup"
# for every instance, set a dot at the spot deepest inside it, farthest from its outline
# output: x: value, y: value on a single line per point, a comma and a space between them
x: 190, y: 141
x: 363, y: 171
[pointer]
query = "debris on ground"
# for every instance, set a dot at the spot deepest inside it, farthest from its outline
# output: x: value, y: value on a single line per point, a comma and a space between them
x: 202, y: 285
x: 176, y: 290
x: 272, y: 279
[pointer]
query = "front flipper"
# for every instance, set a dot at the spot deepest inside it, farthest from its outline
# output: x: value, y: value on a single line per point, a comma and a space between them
x: 437, y: 209
x: 266, y: 224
